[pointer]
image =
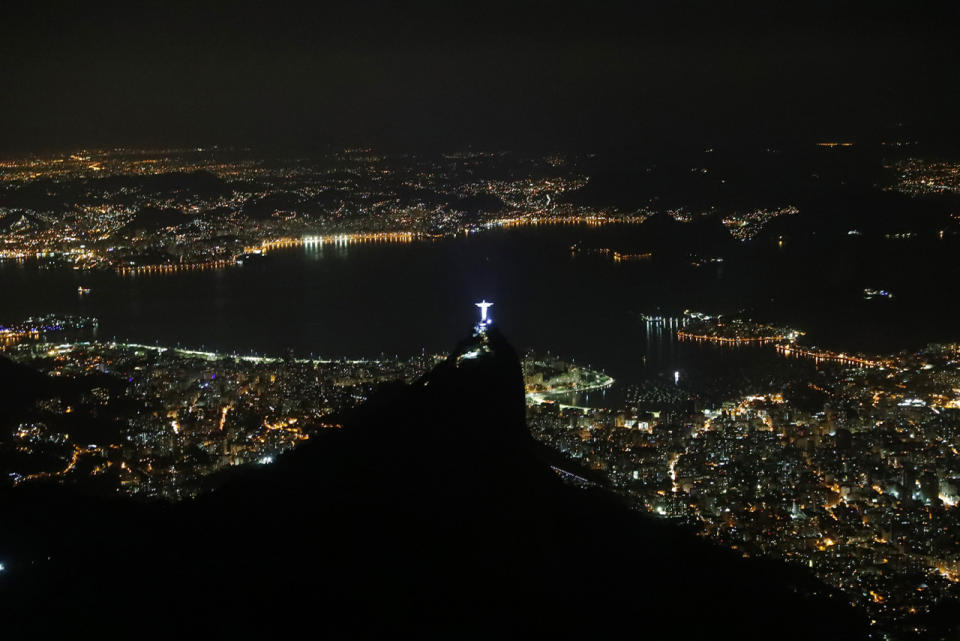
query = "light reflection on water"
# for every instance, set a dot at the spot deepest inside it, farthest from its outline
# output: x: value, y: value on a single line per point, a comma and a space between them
x: 368, y: 300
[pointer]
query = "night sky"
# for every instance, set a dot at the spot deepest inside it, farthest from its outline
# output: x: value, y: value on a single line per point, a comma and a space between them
x: 541, y: 75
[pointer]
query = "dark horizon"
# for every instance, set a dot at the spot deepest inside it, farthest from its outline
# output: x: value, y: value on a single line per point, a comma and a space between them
x: 453, y: 75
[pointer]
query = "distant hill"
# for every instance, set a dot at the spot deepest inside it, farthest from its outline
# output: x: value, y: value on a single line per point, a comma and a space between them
x: 20, y: 386
x: 150, y: 219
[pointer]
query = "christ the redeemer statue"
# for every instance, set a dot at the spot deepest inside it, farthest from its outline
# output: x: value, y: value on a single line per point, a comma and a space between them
x: 484, y: 306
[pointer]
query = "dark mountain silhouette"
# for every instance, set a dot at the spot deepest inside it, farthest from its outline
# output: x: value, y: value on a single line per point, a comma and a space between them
x: 59, y: 196
x: 19, y: 220
x: 667, y: 238
x: 660, y: 188
x: 263, y: 207
x: 20, y: 385
x: 36, y: 195
x: 428, y: 514
x: 485, y: 203
x: 193, y: 184
x: 150, y: 219
x: 835, y: 190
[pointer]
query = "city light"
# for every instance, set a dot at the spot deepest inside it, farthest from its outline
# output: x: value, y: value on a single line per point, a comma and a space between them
x: 840, y: 461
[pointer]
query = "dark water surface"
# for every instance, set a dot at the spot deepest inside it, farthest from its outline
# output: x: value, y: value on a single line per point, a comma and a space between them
x: 366, y: 300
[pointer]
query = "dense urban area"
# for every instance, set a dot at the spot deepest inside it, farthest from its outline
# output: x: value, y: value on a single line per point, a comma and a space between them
x: 167, y: 210
x: 849, y: 467
x: 159, y: 211
x: 844, y: 463
x: 461, y: 320
x: 157, y: 422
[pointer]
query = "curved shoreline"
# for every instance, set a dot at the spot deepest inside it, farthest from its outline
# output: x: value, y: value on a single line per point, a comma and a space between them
x: 538, y: 398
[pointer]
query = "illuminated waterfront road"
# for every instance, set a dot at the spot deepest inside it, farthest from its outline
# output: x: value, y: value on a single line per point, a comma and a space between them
x: 603, y: 382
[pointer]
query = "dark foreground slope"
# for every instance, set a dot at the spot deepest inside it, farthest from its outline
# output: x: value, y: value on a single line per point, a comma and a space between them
x: 429, y: 513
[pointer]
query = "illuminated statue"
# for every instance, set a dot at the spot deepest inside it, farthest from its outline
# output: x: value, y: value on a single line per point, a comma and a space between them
x: 484, y: 306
